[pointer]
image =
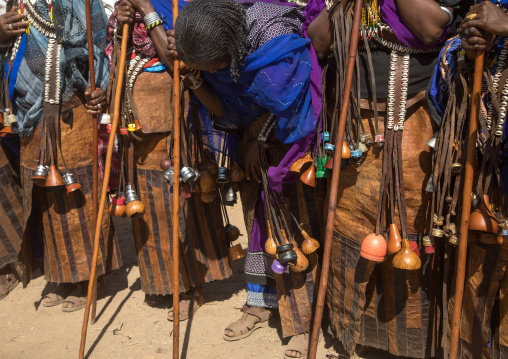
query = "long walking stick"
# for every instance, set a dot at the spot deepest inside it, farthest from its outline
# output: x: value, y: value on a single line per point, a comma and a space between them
x: 95, y: 157
x: 466, y: 205
x: 332, y: 204
x: 176, y: 199
x: 107, y: 173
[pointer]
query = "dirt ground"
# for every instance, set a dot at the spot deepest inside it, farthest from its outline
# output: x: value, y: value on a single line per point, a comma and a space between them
x: 125, y: 328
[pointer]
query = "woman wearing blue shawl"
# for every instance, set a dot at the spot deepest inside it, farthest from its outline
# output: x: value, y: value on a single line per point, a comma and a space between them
x: 204, y: 249
x: 254, y: 61
x: 484, y: 321
x: 51, y: 87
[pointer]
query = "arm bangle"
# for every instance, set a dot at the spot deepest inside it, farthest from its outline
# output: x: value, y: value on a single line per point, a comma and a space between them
x: 449, y: 13
x: 154, y: 24
x: 196, y: 79
x: 151, y: 18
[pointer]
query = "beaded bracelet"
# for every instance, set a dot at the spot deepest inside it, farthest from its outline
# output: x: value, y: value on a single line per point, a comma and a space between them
x: 196, y: 79
x: 154, y: 24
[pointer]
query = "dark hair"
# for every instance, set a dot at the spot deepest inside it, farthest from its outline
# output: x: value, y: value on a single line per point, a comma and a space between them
x: 210, y: 31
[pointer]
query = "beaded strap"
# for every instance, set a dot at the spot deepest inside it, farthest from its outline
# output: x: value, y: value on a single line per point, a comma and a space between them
x: 390, y: 107
x: 501, y: 62
x: 50, y: 67
x: 267, y: 128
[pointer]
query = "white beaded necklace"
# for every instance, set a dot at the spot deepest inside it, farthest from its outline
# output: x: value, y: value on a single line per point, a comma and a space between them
x: 391, y: 92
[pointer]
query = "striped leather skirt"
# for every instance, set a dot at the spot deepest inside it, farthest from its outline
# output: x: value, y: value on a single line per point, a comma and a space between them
x: 374, y: 304
x: 11, y: 208
x: 203, y: 245
x: 68, y: 226
x: 485, y: 302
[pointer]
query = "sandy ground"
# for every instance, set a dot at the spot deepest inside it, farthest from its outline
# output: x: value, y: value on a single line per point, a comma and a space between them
x: 125, y: 328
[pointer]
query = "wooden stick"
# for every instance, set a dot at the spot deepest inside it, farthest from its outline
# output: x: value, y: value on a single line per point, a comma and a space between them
x: 466, y: 205
x: 176, y: 199
x: 95, y: 134
x: 332, y: 204
x: 107, y: 173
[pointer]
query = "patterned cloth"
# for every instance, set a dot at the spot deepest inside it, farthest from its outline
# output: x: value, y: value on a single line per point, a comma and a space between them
x: 261, y: 296
x: 267, y: 21
x: 140, y: 40
x: 26, y: 86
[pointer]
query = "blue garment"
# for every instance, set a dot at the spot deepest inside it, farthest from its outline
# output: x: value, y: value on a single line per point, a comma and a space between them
x: 275, y: 78
x: 70, y: 31
x: 442, y: 78
x: 261, y: 296
x: 165, y: 10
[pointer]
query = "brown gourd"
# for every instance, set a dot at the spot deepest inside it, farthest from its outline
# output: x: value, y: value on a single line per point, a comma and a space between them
x: 270, y: 245
x: 135, y: 209
x: 394, y: 240
x: 309, y: 176
x: 207, y: 181
x: 208, y: 197
x: 482, y: 219
x: 309, y: 245
x: 302, y: 263
x: 296, y: 167
x: 54, y: 178
x: 406, y: 259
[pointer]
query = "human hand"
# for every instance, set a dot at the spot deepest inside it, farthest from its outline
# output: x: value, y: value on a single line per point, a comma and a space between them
x: 485, y: 16
x: 12, y: 24
x: 142, y: 6
x: 475, y: 42
x: 95, y: 101
x: 172, y: 54
x: 252, y: 161
x: 125, y: 13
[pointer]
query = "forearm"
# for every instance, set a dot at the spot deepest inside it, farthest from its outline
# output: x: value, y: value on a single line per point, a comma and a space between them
x: 424, y: 18
x: 320, y: 33
x: 157, y: 34
x: 209, y: 98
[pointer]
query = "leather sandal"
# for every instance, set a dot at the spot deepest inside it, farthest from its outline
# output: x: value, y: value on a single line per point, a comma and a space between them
x: 58, y: 296
x: 298, y: 347
x: 253, y: 318
x: 78, y: 297
x: 7, y: 284
x: 156, y: 300
x: 189, y: 304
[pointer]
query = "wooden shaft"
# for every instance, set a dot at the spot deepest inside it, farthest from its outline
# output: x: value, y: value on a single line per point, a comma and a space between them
x: 95, y: 134
x: 466, y: 205
x: 107, y: 173
x: 176, y: 199
x: 332, y: 204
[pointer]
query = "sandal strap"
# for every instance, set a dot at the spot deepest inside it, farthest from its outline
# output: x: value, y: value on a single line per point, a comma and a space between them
x: 261, y: 312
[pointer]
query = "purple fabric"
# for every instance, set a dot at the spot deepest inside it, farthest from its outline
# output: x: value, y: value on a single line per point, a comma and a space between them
x: 279, y: 175
x: 258, y: 234
x: 391, y: 16
x: 275, y: 2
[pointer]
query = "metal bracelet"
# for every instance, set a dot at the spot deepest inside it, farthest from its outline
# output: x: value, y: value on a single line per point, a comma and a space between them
x: 449, y: 13
x: 151, y: 18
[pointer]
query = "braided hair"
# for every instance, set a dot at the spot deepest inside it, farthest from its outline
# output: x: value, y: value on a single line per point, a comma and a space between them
x: 212, y: 31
